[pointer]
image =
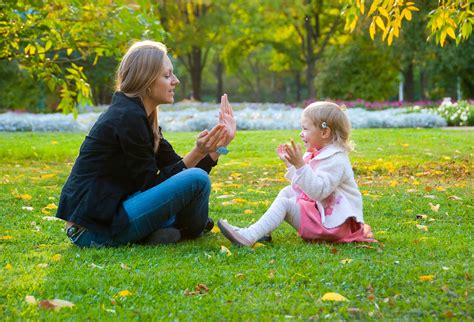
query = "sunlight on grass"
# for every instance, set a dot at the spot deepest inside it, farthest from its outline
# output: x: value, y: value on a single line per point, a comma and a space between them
x: 417, y: 190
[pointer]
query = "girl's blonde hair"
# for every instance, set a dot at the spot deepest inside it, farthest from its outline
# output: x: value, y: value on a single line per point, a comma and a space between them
x: 331, y: 115
x: 137, y: 71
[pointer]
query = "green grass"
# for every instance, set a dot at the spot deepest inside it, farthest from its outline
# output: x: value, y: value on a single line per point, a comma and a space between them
x: 399, y: 172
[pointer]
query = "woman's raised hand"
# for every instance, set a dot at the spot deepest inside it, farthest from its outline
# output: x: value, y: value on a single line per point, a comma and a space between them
x: 226, y: 118
x: 209, y: 141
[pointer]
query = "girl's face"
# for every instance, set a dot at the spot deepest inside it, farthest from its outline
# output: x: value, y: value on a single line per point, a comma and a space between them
x: 162, y: 89
x: 312, y: 136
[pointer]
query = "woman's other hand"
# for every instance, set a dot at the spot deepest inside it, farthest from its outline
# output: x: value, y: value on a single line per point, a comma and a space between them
x: 209, y: 141
x: 226, y: 118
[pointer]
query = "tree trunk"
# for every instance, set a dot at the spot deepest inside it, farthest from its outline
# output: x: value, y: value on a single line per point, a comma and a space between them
x: 423, y: 84
x: 409, y: 83
x: 298, y: 85
x: 220, y: 80
x: 195, y: 70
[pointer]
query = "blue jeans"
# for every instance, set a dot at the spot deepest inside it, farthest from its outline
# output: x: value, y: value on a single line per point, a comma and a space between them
x: 181, y: 201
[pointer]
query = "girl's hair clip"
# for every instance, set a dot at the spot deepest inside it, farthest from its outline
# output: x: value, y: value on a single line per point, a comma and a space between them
x: 324, y: 125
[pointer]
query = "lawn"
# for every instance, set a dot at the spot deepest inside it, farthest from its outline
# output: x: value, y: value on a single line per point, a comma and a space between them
x: 421, y: 269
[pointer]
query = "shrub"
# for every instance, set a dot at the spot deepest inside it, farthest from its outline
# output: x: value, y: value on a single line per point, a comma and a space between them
x: 456, y: 114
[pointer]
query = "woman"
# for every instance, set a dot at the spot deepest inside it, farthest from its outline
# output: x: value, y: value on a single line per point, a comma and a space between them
x: 128, y: 185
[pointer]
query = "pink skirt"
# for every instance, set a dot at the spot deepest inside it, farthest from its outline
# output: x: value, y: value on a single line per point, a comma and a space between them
x: 312, y: 229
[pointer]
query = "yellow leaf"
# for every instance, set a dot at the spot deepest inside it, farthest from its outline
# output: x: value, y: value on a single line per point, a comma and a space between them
x: 215, y: 230
x: 8, y: 266
x: 48, y: 175
x: 362, y: 7
x: 248, y: 211
x: 54, y: 142
x: 51, y: 206
x: 124, y: 293
x: 345, y: 261
x: 450, y: 32
x: 257, y: 245
x: 239, y: 200
x: 6, y: 237
x: 426, y: 278
x: 383, y: 12
x: 405, y: 145
x: 422, y: 227
x: 45, y: 212
x: 372, y: 30
x: 69, y: 51
x: 56, y: 257
x: 407, y: 14
x: 373, y: 7
x: 225, y: 250
x: 435, y: 208
x: 440, y: 189
x: 25, y: 197
x: 393, y: 183
x: 333, y: 297
x: 390, y: 38
x: 416, y: 183
x: 446, y: 157
x: 442, y: 38
x: 379, y: 22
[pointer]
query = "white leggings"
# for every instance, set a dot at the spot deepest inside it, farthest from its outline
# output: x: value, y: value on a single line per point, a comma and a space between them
x: 283, y: 208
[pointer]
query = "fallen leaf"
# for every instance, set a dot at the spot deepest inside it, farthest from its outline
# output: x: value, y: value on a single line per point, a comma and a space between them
x: 333, y: 250
x: 257, y: 245
x: 429, y: 196
x: 421, y: 216
x: 248, y: 211
x: 55, y: 304
x: 27, y: 208
x: 51, y: 206
x: 422, y: 227
x: 56, y: 257
x: 96, y: 266
x: 440, y: 189
x: 6, y: 237
x: 225, y: 250
x: 346, y: 261
x: 8, y: 266
x: 435, y: 208
x: 353, y: 310
x: 42, y: 265
x: 215, y: 230
x: 124, y: 293
x: 124, y: 266
x: 47, y: 176
x: 333, y: 297
x: 454, y: 198
x: 426, y: 278
x: 24, y: 197
x: 50, y: 218
x: 54, y: 142
x: 30, y: 299
x: 371, y: 297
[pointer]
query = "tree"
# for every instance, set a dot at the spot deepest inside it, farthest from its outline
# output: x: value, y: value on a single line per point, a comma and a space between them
x: 51, y: 39
x: 451, y: 18
x: 194, y: 28
x: 298, y: 31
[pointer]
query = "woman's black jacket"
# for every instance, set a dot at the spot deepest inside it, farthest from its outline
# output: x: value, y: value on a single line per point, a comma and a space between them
x: 116, y: 160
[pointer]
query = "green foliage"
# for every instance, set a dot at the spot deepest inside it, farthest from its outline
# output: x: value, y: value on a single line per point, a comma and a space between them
x: 288, y: 277
x: 51, y: 39
x: 357, y: 69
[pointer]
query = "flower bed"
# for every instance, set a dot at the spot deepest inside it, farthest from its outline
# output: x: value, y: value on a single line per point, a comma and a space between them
x: 196, y: 117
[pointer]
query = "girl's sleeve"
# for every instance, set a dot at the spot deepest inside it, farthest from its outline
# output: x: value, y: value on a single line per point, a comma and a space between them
x: 323, y: 181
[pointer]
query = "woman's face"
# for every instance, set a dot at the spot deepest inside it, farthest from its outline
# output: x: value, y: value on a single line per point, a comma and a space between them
x: 162, y: 89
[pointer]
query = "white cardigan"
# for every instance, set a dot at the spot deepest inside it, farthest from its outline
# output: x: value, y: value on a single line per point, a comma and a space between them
x: 329, y: 172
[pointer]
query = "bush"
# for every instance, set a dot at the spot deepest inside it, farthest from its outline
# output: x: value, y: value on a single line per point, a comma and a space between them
x: 456, y: 114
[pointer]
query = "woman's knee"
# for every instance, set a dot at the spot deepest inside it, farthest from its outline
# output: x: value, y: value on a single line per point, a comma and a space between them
x: 200, y: 177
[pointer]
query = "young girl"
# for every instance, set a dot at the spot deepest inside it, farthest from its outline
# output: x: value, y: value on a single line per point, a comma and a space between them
x: 323, y: 202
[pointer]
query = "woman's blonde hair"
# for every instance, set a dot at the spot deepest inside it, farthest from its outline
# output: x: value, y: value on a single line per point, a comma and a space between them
x: 137, y: 71
x: 330, y: 115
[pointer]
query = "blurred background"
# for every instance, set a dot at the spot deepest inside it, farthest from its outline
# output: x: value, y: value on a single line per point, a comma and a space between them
x: 257, y: 51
